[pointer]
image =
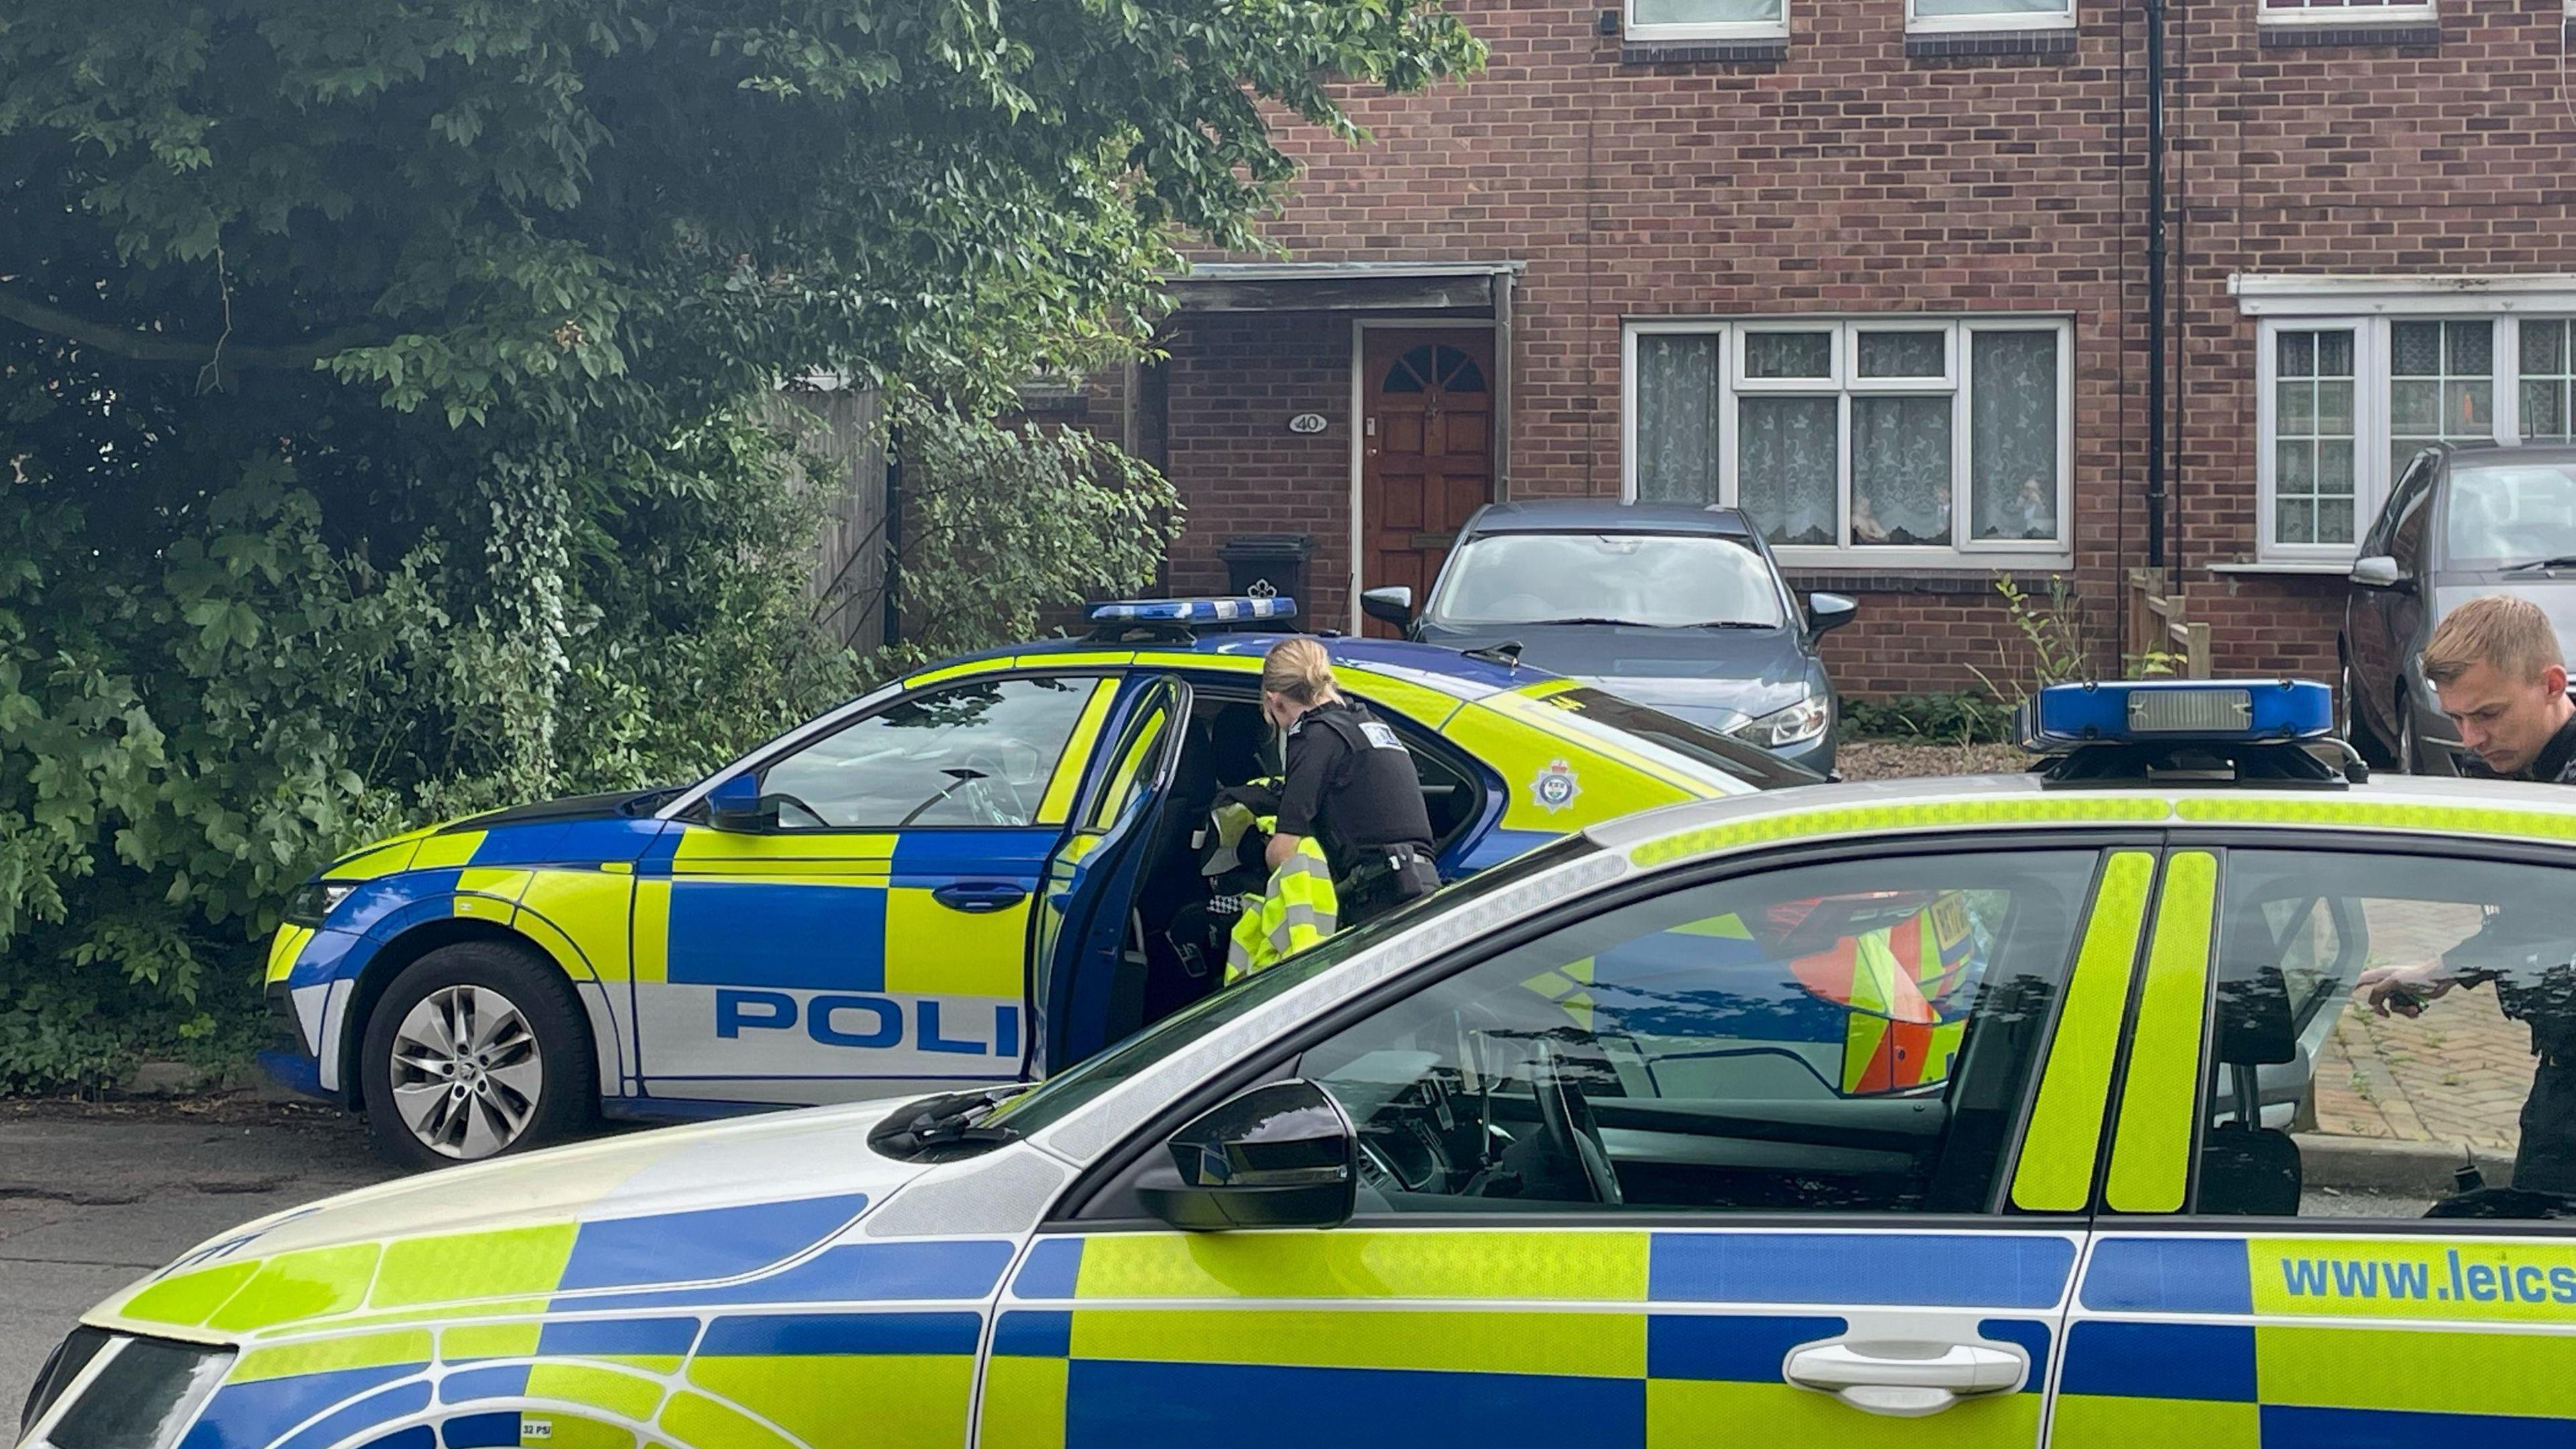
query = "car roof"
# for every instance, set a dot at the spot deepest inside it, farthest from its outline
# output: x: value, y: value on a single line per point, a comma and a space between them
x: 1608, y: 515
x: 1476, y: 675
x: 2438, y: 808
x: 2498, y: 455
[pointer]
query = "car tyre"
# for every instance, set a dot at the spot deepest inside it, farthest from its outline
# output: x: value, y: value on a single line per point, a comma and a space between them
x: 2357, y: 732
x: 475, y: 1051
x: 2409, y: 761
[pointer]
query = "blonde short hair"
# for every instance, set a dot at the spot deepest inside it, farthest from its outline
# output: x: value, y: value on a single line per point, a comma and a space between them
x: 2511, y: 634
x: 1299, y: 671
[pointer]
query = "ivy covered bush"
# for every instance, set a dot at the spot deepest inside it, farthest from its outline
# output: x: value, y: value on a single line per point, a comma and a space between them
x: 381, y: 434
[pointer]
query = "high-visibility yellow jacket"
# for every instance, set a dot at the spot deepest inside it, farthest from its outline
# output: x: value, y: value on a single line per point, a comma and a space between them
x: 1297, y: 909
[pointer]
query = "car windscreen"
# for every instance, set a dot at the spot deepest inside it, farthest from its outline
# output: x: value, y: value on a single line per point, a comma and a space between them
x: 2501, y: 516
x: 1057, y: 1097
x: 1705, y: 748
x: 1663, y: 580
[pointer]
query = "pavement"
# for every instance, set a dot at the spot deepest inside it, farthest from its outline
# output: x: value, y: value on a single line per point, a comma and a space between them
x: 93, y: 1197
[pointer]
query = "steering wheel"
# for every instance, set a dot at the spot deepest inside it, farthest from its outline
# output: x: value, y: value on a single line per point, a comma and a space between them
x: 997, y: 797
x: 1570, y: 1126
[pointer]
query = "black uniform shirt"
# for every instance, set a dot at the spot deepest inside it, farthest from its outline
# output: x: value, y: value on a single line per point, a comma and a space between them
x: 1351, y: 783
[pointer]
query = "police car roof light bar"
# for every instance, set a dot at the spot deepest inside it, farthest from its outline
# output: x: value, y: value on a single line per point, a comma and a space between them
x: 1183, y: 616
x: 2209, y: 731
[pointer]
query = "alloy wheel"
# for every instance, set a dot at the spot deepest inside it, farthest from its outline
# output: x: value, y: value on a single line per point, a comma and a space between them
x: 467, y: 1072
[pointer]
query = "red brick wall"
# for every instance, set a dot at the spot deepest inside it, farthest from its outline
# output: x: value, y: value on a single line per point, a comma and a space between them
x: 1235, y: 380
x: 1851, y: 177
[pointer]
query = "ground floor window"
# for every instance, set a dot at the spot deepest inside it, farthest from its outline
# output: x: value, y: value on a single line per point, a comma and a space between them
x: 1899, y: 439
x: 2347, y: 403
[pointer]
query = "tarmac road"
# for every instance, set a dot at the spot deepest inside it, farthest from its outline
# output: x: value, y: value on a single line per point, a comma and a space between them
x: 93, y: 1197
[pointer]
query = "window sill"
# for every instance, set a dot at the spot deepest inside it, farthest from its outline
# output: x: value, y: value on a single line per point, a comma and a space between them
x: 1942, y: 45
x: 1704, y: 52
x: 1893, y: 579
x: 2312, y: 568
x: 2281, y: 35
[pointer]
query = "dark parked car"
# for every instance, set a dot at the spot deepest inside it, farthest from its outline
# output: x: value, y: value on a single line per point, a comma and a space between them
x: 2461, y: 522
x: 1681, y: 609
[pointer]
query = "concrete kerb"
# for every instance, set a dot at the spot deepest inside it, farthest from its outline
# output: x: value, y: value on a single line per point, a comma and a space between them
x: 2404, y: 1169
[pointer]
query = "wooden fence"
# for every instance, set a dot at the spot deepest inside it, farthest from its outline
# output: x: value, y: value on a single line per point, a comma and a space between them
x: 845, y: 460
x: 2156, y: 626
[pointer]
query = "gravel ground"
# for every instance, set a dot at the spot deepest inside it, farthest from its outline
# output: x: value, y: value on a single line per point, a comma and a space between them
x: 1898, y: 759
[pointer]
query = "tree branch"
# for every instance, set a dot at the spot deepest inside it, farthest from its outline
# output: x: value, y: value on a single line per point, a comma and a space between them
x: 153, y: 347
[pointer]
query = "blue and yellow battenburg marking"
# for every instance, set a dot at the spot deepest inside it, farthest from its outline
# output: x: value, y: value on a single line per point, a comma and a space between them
x: 587, y: 1333
x: 1563, y: 1336
x: 2288, y: 1343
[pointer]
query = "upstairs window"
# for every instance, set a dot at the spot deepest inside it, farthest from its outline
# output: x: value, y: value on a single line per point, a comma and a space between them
x: 2346, y: 13
x: 1652, y: 20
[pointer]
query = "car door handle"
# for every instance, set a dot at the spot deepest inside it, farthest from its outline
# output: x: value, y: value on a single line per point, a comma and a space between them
x: 977, y: 900
x: 1905, y: 1379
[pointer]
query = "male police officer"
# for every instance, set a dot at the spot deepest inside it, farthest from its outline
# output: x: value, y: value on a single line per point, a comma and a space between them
x: 2497, y: 670
x: 1351, y: 782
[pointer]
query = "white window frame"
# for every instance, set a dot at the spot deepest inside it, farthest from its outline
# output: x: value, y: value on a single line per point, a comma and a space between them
x: 1711, y: 29
x: 2351, y: 17
x: 2368, y: 305
x: 1964, y: 551
x: 1987, y: 24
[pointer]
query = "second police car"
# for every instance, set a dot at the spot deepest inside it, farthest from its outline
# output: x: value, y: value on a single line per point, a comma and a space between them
x: 980, y: 873
x: 1576, y: 1153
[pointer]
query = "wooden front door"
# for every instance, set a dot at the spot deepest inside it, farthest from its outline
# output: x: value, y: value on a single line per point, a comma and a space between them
x: 1426, y: 450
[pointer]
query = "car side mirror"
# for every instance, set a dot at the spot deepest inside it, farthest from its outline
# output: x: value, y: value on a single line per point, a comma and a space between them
x: 1826, y: 612
x: 1281, y: 1155
x: 2378, y: 571
x: 736, y: 805
x: 1392, y: 604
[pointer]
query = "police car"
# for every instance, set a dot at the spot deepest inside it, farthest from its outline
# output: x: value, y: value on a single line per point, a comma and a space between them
x: 980, y: 873
x: 1936, y: 1112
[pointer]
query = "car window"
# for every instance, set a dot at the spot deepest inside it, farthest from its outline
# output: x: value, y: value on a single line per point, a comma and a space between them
x: 1852, y: 1036
x: 2406, y: 531
x: 2359, y: 1114
x: 1656, y: 579
x: 969, y: 754
x: 1061, y: 1094
x: 1133, y: 770
x: 2501, y: 516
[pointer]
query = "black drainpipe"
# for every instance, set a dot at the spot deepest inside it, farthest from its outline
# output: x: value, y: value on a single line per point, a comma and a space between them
x: 2155, y: 283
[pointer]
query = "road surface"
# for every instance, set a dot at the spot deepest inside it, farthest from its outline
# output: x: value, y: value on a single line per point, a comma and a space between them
x: 91, y: 1198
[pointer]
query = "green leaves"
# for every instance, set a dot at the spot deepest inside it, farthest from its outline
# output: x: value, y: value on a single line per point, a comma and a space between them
x: 382, y: 431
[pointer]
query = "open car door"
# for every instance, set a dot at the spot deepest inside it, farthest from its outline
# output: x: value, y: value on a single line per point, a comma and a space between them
x: 1082, y: 942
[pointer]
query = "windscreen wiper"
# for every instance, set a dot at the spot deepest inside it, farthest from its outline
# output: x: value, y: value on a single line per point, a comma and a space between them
x: 1731, y: 624
x: 2562, y: 561
x: 943, y: 1120
x: 1621, y: 623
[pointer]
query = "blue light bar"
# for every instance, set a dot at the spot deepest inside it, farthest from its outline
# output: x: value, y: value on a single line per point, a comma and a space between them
x: 2063, y: 717
x: 1193, y: 611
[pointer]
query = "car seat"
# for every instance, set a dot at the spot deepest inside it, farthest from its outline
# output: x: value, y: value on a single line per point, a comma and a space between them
x: 2247, y: 1169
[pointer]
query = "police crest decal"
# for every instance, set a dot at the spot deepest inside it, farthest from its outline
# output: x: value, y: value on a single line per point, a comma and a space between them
x: 1555, y: 787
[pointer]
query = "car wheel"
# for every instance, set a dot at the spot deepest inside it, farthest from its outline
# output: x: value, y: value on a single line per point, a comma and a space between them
x: 475, y: 1050
x: 2357, y: 732
x: 2408, y: 762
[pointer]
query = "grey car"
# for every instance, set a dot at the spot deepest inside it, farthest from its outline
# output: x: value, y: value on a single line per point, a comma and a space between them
x: 1681, y: 609
x: 2461, y: 522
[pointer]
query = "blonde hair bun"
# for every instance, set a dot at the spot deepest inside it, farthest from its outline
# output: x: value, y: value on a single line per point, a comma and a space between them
x: 1299, y: 671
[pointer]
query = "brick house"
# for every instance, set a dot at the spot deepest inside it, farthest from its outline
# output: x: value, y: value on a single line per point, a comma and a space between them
x: 1876, y: 270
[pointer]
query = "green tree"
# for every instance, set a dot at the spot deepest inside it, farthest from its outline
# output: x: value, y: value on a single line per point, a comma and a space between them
x: 377, y: 435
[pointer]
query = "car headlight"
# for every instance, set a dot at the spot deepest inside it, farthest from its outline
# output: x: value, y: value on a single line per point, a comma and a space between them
x: 109, y: 1392
x: 316, y: 899
x: 1795, y: 725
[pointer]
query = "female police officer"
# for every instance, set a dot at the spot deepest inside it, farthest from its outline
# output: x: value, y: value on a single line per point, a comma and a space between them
x: 1350, y: 783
